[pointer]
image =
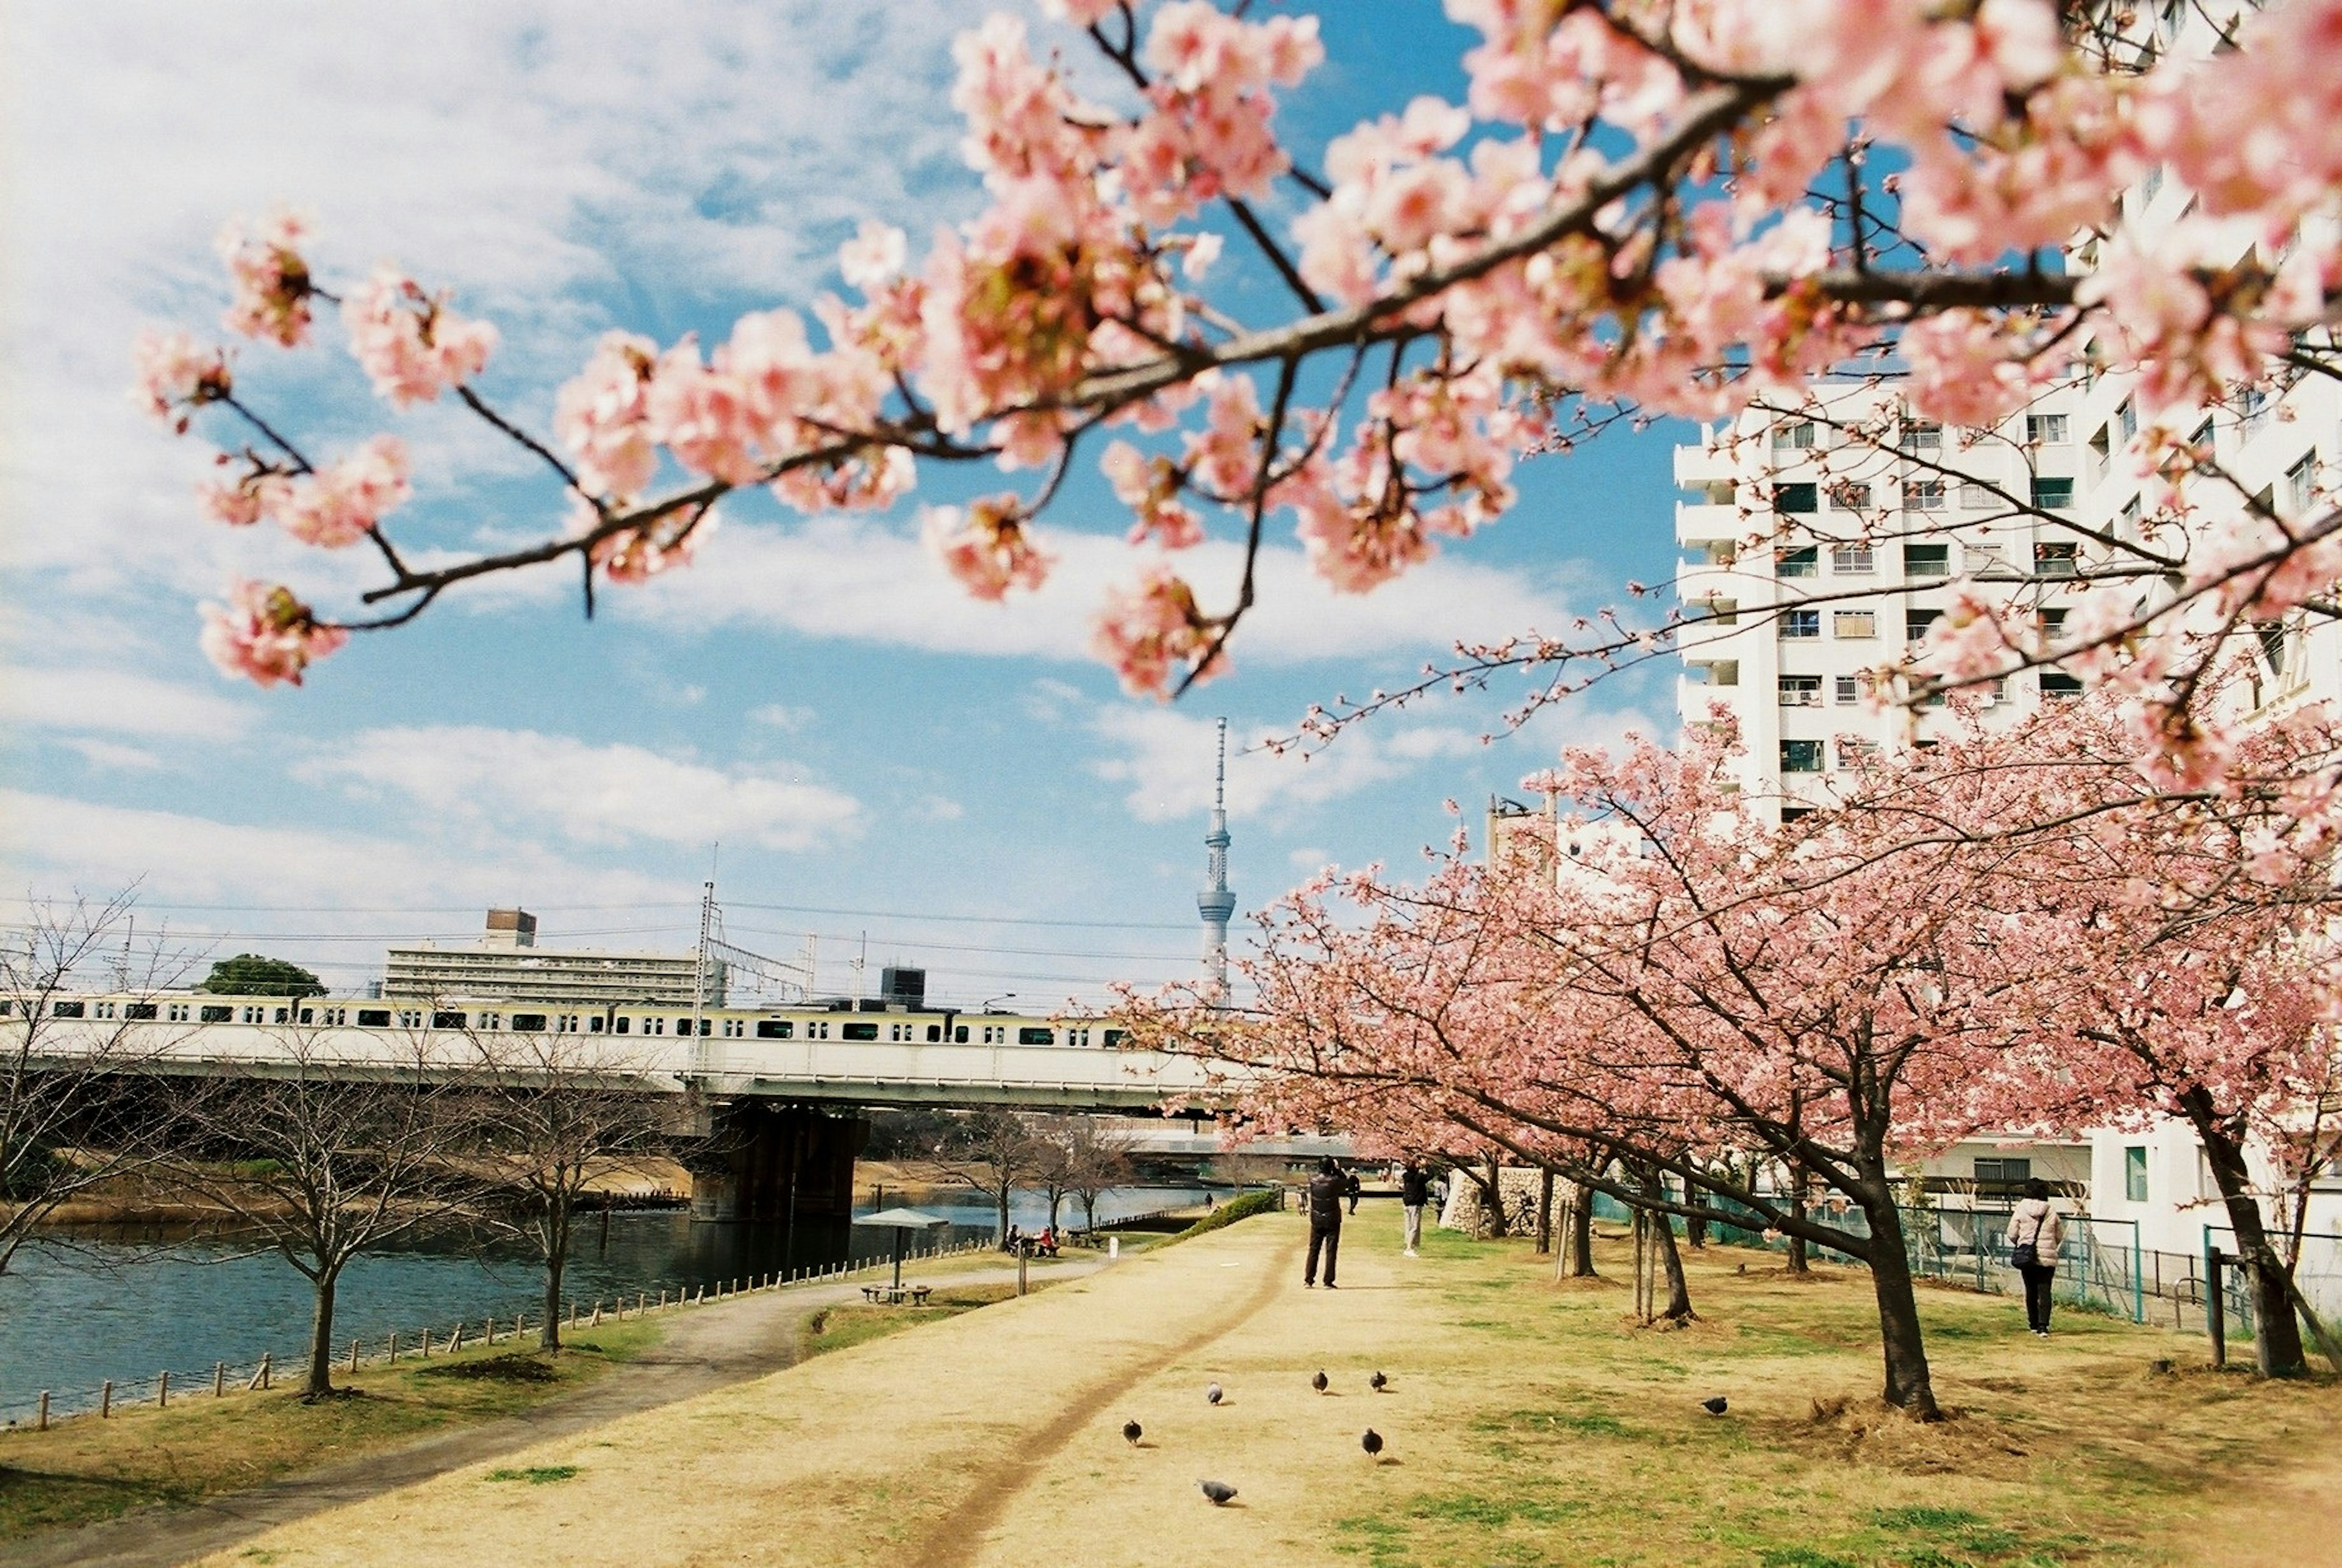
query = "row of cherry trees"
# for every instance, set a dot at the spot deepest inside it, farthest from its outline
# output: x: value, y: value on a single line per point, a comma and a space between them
x: 1639, y: 207
x: 2004, y: 932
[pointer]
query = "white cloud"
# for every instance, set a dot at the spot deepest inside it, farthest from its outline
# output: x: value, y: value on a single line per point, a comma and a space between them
x: 1166, y: 756
x: 114, y: 757
x: 605, y: 794
x: 782, y: 717
x: 120, y: 702
x: 941, y: 808
x: 861, y: 579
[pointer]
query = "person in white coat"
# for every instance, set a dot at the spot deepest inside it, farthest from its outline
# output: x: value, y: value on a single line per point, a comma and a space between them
x: 2035, y: 1233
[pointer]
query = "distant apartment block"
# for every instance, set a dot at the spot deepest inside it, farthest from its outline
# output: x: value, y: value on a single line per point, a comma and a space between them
x: 506, y: 964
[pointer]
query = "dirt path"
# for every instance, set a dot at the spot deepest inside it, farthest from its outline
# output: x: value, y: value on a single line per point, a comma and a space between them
x: 706, y: 1348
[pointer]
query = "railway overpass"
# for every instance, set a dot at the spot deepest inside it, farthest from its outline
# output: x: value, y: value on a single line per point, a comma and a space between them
x: 770, y: 1127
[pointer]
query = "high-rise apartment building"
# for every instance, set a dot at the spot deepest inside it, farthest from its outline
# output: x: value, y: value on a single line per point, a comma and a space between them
x: 507, y: 965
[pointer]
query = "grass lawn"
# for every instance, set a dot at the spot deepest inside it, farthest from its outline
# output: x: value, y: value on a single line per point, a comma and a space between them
x: 841, y: 1328
x: 84, y: 1468
x: 1527, y: 1422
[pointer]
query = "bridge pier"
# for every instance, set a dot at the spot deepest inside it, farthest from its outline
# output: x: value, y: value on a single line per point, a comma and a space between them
x: 770, y: 1162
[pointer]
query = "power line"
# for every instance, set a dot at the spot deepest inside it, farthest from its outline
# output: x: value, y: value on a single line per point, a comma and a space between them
x: 727, y: 903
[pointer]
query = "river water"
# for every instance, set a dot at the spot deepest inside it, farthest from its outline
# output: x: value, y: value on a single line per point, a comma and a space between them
x: 77, y: 1310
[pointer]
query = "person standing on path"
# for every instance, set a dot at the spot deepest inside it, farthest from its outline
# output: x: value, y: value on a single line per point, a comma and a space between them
x: 1327, y: 1190
x: 2035, y: 1233
x: 1354, y: 1188
x: 1414, y: 1192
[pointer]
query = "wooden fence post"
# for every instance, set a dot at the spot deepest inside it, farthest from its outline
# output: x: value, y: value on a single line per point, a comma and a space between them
x: 163, y: 1390
x: 219, y: 1379
x: 105, y: 1399
x: 353, y: 1355
x: 394, y: 1350
x: 455, y: 1340
x: 43, y: 1418
x: 259, y: 1375
x: 2216, y: 1307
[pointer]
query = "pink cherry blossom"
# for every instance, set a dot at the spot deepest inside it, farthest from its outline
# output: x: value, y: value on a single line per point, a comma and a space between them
x: 177, y: 375
x: 1149, y: 487
x: 271, y: 279
x: 265, y: 635
x: 341, y: 505
x: 259, y: 492
x: 602, y: 417
x: 872, y: 257
x: 411, y: 345
x: 988, y: 547
x: 1152, y: 634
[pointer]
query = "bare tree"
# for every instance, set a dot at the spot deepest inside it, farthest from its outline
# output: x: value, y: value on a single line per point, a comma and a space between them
x: 995, y: 1153
x: 325, y: 1159
x: 73, y: 1068
x: 565, y: 1115
x: 1098, y: 1159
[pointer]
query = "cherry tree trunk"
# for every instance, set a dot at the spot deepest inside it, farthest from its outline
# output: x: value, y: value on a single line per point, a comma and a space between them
x: 1678, y: 1307
x: 2278, y: 1350
x: 1797, y: 1209
x: 320, y: 1381
x: 1492, y: 1192
x: 1581, y: 1233
x: 1909, y: 1386
x: 556, y: 1265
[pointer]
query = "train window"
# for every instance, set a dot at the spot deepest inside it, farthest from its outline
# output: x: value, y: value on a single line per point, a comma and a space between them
x: 446, y: 1020
x: 959, y: 1034
x: 254, y: 1014
x: 774, y: 1028
x: 410, y: 1018
x: 935, y: 1033
x: 1037, y: 1037
x: 620, y: 1026
x: 374, y: 1018
x: 308, y: 1015
x: 6, y: 1009
x: 203, y: 1014
x: 74, y: 1010
x: 859, y: 1032
x: 734, y: 1027
x: 282, y: 1014
x: 105, y: 1010
x: 528, y: 1020
x: 492, y: 1020
x: 1114, y: 1037
x: 139, y: 1010
x: 178, y: 1013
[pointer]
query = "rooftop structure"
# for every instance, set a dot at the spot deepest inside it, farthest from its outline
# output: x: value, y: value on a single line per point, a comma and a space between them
x: 507, y: 965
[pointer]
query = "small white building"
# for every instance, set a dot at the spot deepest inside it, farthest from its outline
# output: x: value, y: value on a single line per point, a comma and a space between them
x: 506, y: 964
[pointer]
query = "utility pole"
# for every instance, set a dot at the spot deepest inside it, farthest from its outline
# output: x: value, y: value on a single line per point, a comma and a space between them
x: 1216, y: 904
x: 862, y: 959
x: 700, y: 1052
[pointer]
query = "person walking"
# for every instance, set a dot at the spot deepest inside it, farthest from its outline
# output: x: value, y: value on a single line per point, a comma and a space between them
x: 1354, y: 1188
x: 1414, y: 1192
x: 1327, y: 1190
x: 2036, y: 1232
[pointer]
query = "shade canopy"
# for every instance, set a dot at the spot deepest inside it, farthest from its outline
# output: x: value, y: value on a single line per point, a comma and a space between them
x: 903, y: 1219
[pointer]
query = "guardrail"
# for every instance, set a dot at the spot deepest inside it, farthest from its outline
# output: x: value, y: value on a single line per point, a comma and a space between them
x: 47, y: 1407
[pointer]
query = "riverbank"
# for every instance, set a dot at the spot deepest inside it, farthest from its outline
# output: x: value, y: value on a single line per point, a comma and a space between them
x: 207, y: 1472
x: 1527, y: 1420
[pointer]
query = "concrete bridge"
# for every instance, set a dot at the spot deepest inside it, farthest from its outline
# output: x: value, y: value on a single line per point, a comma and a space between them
x: 769, y: 1099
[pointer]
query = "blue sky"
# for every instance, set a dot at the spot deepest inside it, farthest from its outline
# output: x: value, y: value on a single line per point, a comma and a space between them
x: 874, y: 752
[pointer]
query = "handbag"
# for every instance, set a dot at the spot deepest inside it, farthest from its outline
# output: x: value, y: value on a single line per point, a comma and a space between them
x: 2027, y: 1254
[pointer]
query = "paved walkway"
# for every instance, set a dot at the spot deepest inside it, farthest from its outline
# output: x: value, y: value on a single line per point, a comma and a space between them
x: 705, y: 1348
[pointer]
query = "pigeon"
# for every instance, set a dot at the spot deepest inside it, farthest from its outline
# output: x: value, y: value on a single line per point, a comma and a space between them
x: 1132, y: 1432
x: 1318, y: 1382
x: 1219, y: 1492
x: 1373, y: 1444
x: 1379, y: 1383
x: 1211, y: 1393
x: 1714, y: 1406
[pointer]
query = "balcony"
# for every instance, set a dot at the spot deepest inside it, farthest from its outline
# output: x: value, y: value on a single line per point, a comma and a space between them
x: 1699, y: 522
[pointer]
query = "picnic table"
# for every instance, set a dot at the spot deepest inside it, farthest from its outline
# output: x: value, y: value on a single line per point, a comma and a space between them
x: 894, y: 1295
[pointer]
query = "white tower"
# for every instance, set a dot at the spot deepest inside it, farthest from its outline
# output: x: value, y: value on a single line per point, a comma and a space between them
x: 1216, y: 903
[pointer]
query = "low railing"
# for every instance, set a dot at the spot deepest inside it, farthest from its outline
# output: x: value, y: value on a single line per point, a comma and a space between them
x: 40, y: 1411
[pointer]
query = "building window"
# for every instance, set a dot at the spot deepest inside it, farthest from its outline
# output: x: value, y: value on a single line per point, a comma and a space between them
x: 1849, y: 496
x: 1922, y: 435
x: 1917, y: 622
x: 2301, y: 484
x: 2046, y: 429
x: 2053, y: 494
x: 2002, y: 1178
x: 2127, y: 419
x: 1037, y: 1037
x: 1853, y: 560
x: 1854, y: 625
x: 1801, y: 756
x: 1923, y: 496
x: 1796, y: 498
x: 2101, y: 450
x: 1805, y: 562
x: 1975, y: 497
x: 1847, y: 692
x: 1794, y: 437
x: 1926, y: 560
x: 2056, y: 686
x: 1984, y: 559
x: 1800, y: 623
x: 2252, y: 411
x: 1801, y: 691
x: 1856, y: 753
x: 2134, y: 1174
x: 2056, y: 559
x: 2050, y: 621
x: 1790, y: 814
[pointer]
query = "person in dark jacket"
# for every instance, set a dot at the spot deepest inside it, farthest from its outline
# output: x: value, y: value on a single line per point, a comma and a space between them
x: 1327, y: 1190
x: 1354, y: 1188
x: 1414, y: 1192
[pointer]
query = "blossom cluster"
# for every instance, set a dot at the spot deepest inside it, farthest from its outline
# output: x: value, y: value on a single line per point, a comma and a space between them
x: 266, y: 634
